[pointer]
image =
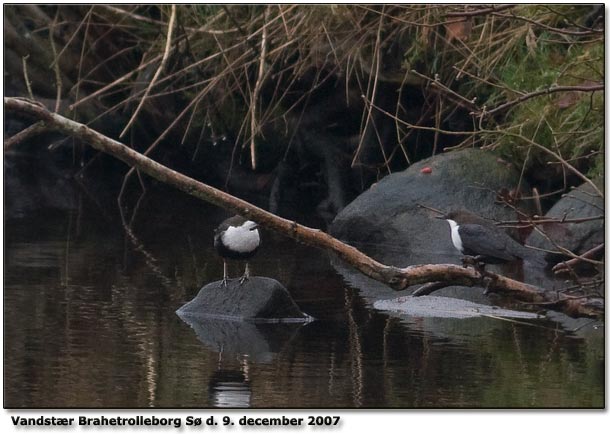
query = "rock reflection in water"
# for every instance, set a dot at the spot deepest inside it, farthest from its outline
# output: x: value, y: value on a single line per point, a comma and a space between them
x: 260, y: 341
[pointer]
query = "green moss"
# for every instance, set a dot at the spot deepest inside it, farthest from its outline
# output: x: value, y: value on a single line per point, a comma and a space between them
x: 568, y: 123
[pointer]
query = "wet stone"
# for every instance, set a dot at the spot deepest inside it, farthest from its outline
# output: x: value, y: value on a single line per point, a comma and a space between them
x: 258, y: 299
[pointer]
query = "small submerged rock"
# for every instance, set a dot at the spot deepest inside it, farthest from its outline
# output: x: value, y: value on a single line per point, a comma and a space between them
x: 258, y: 299
x: 446, y: 307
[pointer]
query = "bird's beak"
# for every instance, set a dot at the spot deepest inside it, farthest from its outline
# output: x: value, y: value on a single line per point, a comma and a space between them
x: 441, y: 217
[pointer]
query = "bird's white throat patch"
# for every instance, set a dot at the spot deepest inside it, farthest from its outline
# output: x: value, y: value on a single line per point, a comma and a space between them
x: 455, y: 236
x: 242, y: 238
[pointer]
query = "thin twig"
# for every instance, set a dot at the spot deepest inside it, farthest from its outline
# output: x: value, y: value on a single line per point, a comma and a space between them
x: 168, y: 44
x: 23, y: 135
x: 377, y: 62
x: 256, y: 92
x: 562, y: 267
x: 55, y: 64
x: 115, y: 83
x: 550, y: 28
x: 421, y: 127
x: 548, y: 91
x: 537, y: 221
x: 429, y: 288
x: 28, y: 83
x: 455, y: 97
x: 57, y: 56
x: 482, y: 11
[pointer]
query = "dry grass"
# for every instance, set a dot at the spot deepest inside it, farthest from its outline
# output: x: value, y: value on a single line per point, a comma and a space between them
x: 249, y: 69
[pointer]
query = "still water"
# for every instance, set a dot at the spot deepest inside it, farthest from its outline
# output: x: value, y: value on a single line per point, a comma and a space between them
x: 89, y: 321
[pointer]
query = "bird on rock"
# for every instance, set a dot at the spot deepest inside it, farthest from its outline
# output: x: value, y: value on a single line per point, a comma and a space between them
x: 236, y: 238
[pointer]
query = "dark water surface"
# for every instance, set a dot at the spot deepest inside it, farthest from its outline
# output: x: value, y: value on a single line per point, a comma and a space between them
x: 89, y: 321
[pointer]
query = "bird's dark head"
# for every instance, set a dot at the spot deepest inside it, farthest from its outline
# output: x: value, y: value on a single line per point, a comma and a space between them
x: 236, y: 222
x: 448, y: 216
x: 242, y: 222
x: 461, y: 217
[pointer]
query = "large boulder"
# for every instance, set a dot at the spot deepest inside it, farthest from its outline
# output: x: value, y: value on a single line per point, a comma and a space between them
x: 388, y: 222
x: 258, y: 299
x: 581, y: 203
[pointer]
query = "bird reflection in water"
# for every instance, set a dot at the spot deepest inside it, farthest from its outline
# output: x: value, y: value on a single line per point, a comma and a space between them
x: 230, y: 388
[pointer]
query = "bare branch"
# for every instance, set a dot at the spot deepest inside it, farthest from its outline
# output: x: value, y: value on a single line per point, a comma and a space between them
x: 452, y: 95
x: 480, y: 11
x: 537, y: 221
x: 550, y: 28
x: 530, y: 95
x: 26, y: 78
x: 565, y: 266
x: 22, y: 136
x: 55, y: 63
x: 257, y: 89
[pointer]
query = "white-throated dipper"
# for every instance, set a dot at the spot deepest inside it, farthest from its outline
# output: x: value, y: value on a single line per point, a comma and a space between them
x: 475, y: 236
x: 236, y: 238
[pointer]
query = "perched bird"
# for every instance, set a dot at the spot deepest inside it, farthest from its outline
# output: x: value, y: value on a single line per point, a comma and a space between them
x: 475, y: 236
x: 236, y: 238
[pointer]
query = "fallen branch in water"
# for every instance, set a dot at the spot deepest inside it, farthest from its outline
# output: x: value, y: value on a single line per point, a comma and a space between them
x: 397, y: 278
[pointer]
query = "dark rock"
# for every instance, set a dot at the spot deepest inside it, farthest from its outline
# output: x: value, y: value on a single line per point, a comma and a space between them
x: 581, y: 202
x: 387, y: 223
x: 258, y: 299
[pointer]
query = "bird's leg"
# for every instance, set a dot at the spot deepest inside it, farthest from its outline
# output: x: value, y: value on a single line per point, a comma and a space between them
x: 475, y: 261
x: 469, y: 260
x: 479, y: 266
x: 225, y: 276
x: 486, y: 278
x: 480, y: 262
x: 246, y: 275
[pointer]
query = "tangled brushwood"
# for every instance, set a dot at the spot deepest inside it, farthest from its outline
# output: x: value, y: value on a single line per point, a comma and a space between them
x: 391, y: 83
